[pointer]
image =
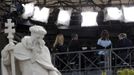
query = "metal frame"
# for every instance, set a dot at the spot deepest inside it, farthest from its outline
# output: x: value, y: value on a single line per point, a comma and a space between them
x: 75, y: 4
x: 83, y: 58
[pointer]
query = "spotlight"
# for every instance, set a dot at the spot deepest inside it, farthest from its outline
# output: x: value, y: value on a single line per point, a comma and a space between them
x: 64, y: 17
x: 89, y: 18
x: 41, y: 15
x: 28, y: 10
x: 128, y: 14
x: 113, y: 13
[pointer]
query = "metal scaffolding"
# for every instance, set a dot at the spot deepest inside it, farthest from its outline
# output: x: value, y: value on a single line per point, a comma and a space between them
x: 79, y: 61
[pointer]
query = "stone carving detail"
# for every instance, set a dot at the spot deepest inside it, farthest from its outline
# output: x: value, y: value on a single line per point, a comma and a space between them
x: 31, y: 56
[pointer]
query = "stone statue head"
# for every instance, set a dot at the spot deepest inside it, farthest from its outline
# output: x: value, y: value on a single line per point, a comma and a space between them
x: 37, y: 32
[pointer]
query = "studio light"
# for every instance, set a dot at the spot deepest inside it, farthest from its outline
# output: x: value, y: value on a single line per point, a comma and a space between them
x: 41, y: 14
x: 89, y: 19
x: 128, y: 14
x: 64, y: 17
x: 28, y: 10
x: 113, y: 13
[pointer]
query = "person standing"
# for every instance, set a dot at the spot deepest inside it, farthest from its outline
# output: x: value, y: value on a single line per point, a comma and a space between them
x: 105, y: 43
x: 123, y: 42
x: 74, y: 44
x: 59, y: 45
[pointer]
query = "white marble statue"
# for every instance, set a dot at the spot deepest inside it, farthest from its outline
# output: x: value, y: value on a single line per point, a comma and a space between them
x: 31, y: 55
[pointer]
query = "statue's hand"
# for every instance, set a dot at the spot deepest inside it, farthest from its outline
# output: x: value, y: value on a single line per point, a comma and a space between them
x: 6, y: 53
x: 9, y: 46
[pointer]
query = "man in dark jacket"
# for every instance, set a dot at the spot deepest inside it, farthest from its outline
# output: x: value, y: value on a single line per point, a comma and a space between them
x: 74, y: 44
x: 123, y: 42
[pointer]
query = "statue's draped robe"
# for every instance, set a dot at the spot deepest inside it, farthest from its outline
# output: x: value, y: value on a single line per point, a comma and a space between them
x: 29, y: 62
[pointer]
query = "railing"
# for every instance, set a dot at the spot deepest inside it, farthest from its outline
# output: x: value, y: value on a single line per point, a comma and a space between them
x: 112, y: 60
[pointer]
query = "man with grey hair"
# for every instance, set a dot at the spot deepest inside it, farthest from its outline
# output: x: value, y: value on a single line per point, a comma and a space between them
x: 124, y: 41
x: 31, y: 55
